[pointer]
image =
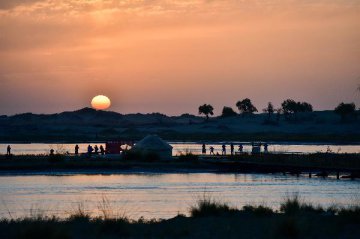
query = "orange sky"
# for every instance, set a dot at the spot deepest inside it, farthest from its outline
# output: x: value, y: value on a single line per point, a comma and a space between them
x: 171, y: 56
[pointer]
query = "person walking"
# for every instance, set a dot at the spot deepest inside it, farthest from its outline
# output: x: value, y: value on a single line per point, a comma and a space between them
x: 241, y: 147
x: 223, y: 149
x: 90, y: 150
x: 77, y: 149
x: 102, y: 150
x: 8, y: 150
x: 203, y: 149
x: 212, y: 150
x: 266, y: 148
x: 96, y: 149
x: 232, y: 148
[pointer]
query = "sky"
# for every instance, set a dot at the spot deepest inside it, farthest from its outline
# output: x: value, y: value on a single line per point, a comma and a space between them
x: 172, y: 56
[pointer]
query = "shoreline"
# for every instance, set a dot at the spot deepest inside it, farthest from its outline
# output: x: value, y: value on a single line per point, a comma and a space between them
x: 323, y: 164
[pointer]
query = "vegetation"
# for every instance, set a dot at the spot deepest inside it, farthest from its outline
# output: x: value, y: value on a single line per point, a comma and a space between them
x: 228, y: 112
x: 246, y: 107
x: 208, y: 218
x: 345, y: 110
x: 208, y: 207
x: 291, y: 107
x: 269, y: 110
x: 206, y: 110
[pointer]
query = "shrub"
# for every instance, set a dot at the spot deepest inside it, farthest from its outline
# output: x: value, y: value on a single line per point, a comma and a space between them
x: 258, y: 210
x: 295, y: 205
x: 56, y: 158
x: 207, y: 207
x: 188, y: 157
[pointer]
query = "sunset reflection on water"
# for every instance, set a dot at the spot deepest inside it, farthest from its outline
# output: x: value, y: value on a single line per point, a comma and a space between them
x: 161, y: 195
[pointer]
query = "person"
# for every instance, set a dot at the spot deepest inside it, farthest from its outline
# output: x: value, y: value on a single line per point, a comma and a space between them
x: 223, y: 149
x: 241, y: 147
x: 76, y: 149
x: 212, y: 150
x: 90, y: 150
x: 266, y: 148
x: 8, y: 150
x: 51, y: 152
x: 203, y: 149
x: 102, y: 150
x: 232, y: 148
x: 96, y: 149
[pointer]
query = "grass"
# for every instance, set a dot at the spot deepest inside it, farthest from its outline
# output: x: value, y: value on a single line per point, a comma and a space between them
x: 209, y: 218
x: 207, y: 206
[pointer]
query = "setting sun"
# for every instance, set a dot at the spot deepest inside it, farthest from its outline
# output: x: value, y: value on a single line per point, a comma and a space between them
x: 100, y: 102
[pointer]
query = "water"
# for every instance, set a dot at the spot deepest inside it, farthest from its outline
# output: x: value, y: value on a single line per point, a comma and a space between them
x: 180, y: 147
x: 161, y: 195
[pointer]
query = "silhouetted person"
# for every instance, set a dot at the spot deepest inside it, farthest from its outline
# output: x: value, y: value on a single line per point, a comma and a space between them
x: 102, y: 150
x: 96, y: 149
x: 241, y: 147
x: 90, y: 150
x: 51, y: 152
x: 8, y: 150
x: 77, y: 149
x: 232, y: 148
x: 212, y: 150
x: 203, y: 149
x: 266, y: 148
x: 223, y: 149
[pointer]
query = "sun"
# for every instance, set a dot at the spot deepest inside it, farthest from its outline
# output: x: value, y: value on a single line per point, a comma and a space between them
x: 100, y: 102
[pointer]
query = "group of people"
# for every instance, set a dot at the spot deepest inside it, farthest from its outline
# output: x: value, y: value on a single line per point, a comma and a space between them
x: 232, y: 149
x: 91, y: 150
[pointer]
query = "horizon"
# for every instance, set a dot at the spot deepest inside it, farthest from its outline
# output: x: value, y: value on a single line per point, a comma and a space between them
x: 144, y: 113
x: 171, y: 57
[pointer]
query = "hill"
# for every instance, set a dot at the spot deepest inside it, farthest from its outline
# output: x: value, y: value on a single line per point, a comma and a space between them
x: 91, y: 125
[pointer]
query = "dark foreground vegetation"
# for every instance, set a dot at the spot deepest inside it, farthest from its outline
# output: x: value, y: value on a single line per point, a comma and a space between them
x: 321, y: 164
x: 208, y: 219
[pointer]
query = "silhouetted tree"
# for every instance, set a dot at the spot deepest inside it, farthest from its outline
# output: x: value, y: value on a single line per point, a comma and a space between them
x: 228, y: 112
x: 291, y: 107
x: 245, y: 106
x: 304, y: 107
x: 269, y: 110
x: 345, y: 110
x: 206, y: 110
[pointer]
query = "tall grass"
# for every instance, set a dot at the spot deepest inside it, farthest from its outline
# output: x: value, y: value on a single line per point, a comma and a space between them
x: 207, y: 206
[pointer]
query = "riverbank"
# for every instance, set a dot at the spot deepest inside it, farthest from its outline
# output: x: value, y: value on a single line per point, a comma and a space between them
x: 207, y: 219
x: 321, y: 164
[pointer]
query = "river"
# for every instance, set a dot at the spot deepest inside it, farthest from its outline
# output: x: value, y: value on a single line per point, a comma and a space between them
x: 161, y: 195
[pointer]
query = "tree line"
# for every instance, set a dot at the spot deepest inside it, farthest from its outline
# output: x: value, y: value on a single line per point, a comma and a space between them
x: 289, y: 108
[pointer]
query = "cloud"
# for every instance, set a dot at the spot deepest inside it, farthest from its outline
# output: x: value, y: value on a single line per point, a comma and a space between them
x: 9, y: 4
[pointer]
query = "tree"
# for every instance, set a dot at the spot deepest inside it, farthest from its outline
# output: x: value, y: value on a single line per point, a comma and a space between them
x: 345, y: 110
x: 291, y: 107
x: 206, y: 110
x: 245, y: 106
x: 269, y: 110
x: 304, y: 107
x: 228, y: 112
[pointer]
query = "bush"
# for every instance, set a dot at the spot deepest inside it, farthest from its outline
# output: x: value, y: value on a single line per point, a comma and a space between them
x: 207, y: 207
x: 258, y: 210
x: 188, y: 157
x: 56, y: 158
x: 295, y: 205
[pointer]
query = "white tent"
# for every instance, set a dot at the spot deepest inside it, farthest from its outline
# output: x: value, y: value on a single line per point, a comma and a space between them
x: 154, y: 144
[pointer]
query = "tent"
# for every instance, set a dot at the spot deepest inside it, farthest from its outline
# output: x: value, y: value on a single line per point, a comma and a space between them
x: 154, y: 144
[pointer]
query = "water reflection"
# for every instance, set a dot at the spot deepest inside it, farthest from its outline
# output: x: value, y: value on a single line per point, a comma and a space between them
x: 161, y: 195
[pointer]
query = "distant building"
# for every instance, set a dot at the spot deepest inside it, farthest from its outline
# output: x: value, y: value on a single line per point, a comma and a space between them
x: 154, y: 144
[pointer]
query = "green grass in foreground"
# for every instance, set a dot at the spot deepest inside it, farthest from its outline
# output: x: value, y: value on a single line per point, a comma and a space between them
x: 208, y: 219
